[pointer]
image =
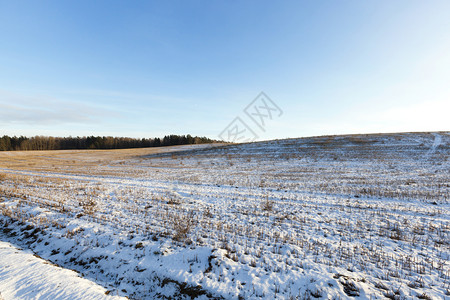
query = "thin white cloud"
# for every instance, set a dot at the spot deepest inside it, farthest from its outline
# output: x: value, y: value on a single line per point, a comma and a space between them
x: 44, y: 110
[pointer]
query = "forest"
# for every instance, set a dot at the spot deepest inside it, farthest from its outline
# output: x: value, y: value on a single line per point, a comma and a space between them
x: 23, y: 143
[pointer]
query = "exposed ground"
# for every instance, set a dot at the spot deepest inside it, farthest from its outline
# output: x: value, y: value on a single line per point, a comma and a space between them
x: 361, y: 216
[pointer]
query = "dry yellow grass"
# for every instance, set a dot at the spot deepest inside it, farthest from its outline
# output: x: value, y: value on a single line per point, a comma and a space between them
x: 76, y: 161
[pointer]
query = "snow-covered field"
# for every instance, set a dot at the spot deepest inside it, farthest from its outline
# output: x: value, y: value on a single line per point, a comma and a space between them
x: 362, y: 216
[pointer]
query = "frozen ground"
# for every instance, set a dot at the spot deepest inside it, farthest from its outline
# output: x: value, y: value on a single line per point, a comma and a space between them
x: 362, y: 216
x: 25, y: 276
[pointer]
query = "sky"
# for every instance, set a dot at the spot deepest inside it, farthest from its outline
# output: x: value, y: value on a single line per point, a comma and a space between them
x: 151, y: 68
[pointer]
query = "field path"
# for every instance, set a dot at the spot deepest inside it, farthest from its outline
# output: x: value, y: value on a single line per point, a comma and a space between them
x: 25, y: 276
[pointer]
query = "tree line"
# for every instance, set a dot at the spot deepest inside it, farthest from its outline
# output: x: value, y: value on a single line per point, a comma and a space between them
x: 23, y: 143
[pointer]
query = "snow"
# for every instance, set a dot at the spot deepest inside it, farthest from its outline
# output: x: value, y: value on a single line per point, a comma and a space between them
x: 25, y: 276
x: 362, y: 216
x: 437, y: 141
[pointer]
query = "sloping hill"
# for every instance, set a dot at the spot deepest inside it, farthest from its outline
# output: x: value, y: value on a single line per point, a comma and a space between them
x: 364, y: 216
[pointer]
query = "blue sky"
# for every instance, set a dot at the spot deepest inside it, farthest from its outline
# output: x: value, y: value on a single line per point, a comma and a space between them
x: 144, y: 69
